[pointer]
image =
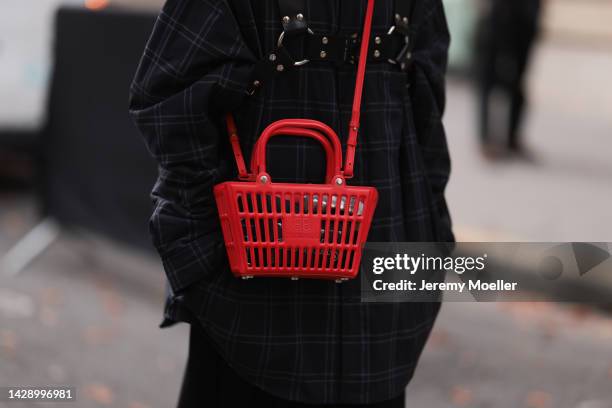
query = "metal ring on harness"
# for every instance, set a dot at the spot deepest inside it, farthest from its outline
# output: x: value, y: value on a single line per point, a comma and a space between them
x: 279, y: 44
x: 406, y: 43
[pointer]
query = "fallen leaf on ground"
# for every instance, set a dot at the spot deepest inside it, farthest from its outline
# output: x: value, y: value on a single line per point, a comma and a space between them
x: 99, y: 393
x: 51, y: 297
x: 8, y: 341
x: 138, y: 405
x: 48, y: 316
x: 438, y: 338
x: 539, y: 399
x: 461, y: 396
x: 579, y: 313
x: 96, y: 335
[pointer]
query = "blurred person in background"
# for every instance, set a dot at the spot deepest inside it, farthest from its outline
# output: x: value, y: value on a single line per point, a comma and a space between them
x: 273, y: 342
x: 505, y: 36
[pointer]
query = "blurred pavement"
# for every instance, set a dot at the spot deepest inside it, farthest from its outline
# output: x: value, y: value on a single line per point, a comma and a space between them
x: 85, y: 314
x: 564, y: 193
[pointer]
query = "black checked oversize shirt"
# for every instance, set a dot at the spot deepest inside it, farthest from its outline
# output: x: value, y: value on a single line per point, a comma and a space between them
x: 310, y: 341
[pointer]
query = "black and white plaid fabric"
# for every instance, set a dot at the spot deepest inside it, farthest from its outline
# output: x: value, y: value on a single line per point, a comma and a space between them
x: 310, y: 341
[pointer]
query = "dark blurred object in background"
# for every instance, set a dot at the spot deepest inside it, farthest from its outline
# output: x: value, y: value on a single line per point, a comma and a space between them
x: 505, y: 35
x: 93, y: 171
x: 17, y: 167
x: 96, y: 173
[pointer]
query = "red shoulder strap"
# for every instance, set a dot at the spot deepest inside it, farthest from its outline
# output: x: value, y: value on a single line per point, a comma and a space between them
x: 351, y: 142
x: 235, y: 142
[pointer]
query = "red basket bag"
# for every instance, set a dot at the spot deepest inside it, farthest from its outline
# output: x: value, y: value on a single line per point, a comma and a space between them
x: 298, y: 230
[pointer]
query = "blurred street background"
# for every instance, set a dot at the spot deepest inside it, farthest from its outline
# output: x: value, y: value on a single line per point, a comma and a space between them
x: 85, y: 311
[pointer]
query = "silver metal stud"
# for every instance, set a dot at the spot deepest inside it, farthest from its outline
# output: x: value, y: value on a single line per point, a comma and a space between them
x: 294, y: 278
x: 280, y: 67
x: 324, y: 40
x: 256, y: 83
x: 323, y: 54
x: 263, y: 179
x: 376, y: 53
x: 397, y: 17
x: 405, y: 20
x: 300, y: 17
x: 403, y: 65
x: 272, y: 57
x: 339, y: 181
x: 377, y: 40
x: 286, y: 20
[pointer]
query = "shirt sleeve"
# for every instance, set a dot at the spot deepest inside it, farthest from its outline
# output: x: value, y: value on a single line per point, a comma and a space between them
x: 195, y: 67
x: 430, y: 54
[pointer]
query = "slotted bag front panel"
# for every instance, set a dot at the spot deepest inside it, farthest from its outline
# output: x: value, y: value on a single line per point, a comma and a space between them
x: 295, y: 230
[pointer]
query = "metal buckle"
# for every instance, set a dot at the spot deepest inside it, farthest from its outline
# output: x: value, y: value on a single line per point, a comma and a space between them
x: 404, y: 53
x: 279, y: 44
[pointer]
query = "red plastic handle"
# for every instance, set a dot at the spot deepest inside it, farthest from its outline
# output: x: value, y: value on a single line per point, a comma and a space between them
x: 303, y: 123
x: 333, y: 155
